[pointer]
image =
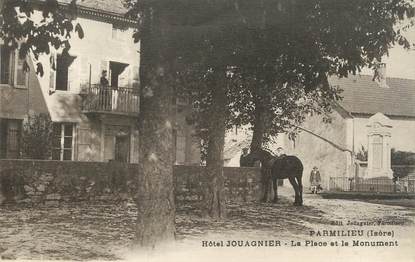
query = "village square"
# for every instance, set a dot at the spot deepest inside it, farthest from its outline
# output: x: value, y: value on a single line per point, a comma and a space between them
x: 197, y: 128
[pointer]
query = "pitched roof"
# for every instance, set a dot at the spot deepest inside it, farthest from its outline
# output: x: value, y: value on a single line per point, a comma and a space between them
x: 362, y: 95
x: 110, y: 6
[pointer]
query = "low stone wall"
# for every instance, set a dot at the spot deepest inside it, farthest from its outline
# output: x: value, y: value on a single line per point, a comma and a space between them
x: 40, y: 181
x: 241, y: 183
x: 32, y: 182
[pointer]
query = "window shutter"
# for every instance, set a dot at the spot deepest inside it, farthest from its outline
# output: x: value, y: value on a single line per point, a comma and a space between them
x: 109, y: 147
x: 20, y: 73
x: 52, y: 73
x: 135, y: 77
x: 130, y: 76
x: 84, y: 74
x: 12, y: 67
x: 73, y: 76
x: 123, y: 78
x: 83, y: 143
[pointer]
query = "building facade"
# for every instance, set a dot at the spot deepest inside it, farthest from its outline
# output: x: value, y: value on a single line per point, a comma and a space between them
x: 93, y: 119
x: 333, y: 147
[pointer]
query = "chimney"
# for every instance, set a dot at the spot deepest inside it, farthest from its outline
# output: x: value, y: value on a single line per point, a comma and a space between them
x: 379, y: 75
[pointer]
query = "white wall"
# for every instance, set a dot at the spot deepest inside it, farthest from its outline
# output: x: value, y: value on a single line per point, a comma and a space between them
x: 96, y: 46
x: 313, y: 150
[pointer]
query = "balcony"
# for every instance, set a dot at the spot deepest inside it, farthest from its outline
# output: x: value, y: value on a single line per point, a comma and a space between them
x: 107, y: 100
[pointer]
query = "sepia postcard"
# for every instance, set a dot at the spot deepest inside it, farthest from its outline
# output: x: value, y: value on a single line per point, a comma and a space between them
x: 267, y: 130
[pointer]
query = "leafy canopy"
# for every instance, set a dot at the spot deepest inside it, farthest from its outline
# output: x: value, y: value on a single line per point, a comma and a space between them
x: 275, y: 53
x: 23, y: 28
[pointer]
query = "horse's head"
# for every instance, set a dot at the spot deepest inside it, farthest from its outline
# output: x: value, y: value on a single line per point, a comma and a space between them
x: 258, y: 155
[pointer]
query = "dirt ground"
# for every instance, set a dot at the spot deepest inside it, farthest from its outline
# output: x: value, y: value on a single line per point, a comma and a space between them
x: 105, y: 232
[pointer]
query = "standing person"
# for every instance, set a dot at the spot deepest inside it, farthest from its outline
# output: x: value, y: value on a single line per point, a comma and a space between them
x: 315, y: 180
x: 104, y: 93
x: 103, y: 80
x: 242, y: 159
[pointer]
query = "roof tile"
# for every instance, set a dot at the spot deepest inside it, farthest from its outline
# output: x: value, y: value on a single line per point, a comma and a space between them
x: 362, y: 95
x: 111, y: 6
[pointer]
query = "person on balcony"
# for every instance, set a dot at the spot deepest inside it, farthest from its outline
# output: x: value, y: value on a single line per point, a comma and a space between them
x: 104, y: 81
x: 104, y: 94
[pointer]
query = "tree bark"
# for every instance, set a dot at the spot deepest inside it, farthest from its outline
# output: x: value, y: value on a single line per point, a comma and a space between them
x: 256, y: 143
x: 258, y: 128
x: 155, y: 197
x: 214, y: 178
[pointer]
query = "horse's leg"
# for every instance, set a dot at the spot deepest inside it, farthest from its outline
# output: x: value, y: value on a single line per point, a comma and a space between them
x: 300, y: 188
x: 275, y: 186
x: 295, y: 186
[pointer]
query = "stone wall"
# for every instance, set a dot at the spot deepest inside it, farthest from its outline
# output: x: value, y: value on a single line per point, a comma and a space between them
x: 34, y: 182
x: 241, y: 184
x: 44, y: 181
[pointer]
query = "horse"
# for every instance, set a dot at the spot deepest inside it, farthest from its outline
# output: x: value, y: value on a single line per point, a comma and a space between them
x: 285, y: 166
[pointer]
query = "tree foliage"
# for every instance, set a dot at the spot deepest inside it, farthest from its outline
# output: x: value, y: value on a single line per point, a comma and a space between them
x: 37, y: 137
x: 275, y: 54
x: 37, y: 33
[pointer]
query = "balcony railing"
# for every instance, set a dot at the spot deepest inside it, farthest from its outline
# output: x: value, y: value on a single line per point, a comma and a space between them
x: 99, y: 99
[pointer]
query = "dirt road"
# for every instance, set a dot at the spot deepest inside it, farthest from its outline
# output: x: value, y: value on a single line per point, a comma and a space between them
x: 102, y: 232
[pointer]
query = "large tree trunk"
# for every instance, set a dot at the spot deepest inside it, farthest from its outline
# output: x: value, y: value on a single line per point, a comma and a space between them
x: 256, y: 143
x: 214, y: 177
x: 258, y: 128
x: 155, y: 197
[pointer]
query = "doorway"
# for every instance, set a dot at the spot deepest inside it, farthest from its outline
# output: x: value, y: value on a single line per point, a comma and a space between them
x: 117, y: 143
x: 122, y: 148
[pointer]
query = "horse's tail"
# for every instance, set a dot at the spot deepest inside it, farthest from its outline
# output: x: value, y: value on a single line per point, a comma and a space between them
x: 299, y: 173
x: 298, y: 166
x: 299, y: 177
x: 301, y: 167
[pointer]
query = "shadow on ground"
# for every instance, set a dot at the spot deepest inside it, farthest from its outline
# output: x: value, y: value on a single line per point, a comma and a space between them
x: 81, y: 231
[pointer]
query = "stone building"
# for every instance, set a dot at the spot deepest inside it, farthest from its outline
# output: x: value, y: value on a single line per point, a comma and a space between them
x: 376, y: 115
x: 93, y: 122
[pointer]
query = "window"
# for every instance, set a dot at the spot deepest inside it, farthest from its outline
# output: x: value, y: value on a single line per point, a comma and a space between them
x: 117, y: 143
x: 118, y: 74
x: 63, y: 71
x: 63, y: 141
x: 11, y: 68
x: 5, y: 69
x: 10, y: 134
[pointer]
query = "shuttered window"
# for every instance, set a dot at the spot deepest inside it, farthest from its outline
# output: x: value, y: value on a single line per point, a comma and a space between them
x: 5, y: 77
x: 63, y: 141
x: 64, y: 72
x: 11, y: 68
x: 10, y: 135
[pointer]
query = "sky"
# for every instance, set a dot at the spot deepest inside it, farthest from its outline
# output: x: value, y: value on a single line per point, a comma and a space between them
x: 401, y: 62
